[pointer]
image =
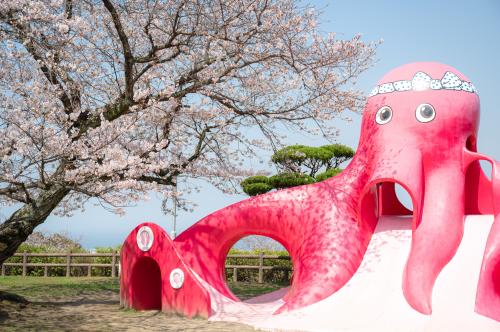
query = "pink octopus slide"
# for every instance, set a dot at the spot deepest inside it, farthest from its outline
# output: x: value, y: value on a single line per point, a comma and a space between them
x: 362, y: 261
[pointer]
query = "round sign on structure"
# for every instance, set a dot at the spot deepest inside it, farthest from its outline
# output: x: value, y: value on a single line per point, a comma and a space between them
x: 145, y: 238
x: 176, y: 278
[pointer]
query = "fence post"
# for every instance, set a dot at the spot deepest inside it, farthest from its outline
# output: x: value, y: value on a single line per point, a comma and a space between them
x: 261, y: 267
x: 113, y: 263
x: 68, y: 264
x: 45, y: 271
x: 25, y: 261
x: 89, y: 271
x: 3, y: 270
x: 235, y: 274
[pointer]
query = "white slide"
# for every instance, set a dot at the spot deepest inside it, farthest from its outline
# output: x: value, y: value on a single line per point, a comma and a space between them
x: 373, y: 299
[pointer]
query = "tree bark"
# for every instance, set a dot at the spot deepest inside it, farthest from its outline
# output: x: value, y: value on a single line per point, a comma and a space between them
x: 21, y: 223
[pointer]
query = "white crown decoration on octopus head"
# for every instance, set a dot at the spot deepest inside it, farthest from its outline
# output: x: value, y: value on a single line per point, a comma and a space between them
x: 421, y: 81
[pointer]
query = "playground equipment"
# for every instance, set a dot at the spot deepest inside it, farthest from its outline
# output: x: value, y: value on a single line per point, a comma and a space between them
x: 419, y: 130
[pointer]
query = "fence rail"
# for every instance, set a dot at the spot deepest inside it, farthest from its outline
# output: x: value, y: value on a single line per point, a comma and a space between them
x: 68, y: 263
x: 260, y: 266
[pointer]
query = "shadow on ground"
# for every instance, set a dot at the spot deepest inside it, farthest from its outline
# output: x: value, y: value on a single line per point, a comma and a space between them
x: 90, y: 310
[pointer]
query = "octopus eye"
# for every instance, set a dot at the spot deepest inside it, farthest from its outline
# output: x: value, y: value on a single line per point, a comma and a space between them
x: 425, y: 113
x: 384, y: 115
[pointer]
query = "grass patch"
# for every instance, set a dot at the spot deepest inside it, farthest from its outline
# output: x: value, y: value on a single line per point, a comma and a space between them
x: 90, y: 304
x: 57, y: 287
x: 38, y: 288
x: 246, y: 290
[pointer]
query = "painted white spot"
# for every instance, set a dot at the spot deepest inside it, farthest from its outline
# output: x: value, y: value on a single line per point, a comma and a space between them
x: 176, y: 278
x: 145, y: 238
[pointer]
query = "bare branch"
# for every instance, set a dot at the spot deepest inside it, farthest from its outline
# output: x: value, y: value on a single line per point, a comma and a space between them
x: 127, y: 51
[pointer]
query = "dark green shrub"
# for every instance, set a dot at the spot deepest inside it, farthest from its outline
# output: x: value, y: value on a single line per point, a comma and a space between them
x: 60, y: 271
x: 341, y: 153
x: 293, y: 154
x: 105, y: 272
x: 255, y: 179
x: 254, y: 189
x: 300, y: 165
x: 310, y: 159
x: 328, y: 174
x: 287, y: 180
x: 281, y: 274
x: 256, y: 185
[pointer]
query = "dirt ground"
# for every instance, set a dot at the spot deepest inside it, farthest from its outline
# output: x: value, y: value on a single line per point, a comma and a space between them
x: 94, y: 310
x: 97, y: 312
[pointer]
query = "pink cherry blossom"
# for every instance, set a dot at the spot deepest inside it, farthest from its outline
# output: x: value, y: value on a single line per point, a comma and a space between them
x: 115, y: 99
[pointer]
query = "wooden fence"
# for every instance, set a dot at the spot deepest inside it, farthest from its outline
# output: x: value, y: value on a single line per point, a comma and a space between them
x: 260, y: 265
x: 68, y: 263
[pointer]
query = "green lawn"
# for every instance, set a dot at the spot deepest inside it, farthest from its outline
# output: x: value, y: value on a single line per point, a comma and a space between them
x: 35, y: 288
x: 39, y: 287
x: 244, y: 290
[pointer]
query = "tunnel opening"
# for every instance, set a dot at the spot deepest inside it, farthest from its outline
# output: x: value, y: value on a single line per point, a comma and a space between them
x: 393, y: 199
x: 258, y: 269
x: 479, y: 188
x: 388, y: 205
x: 383, y: 213
x: 146, y: 285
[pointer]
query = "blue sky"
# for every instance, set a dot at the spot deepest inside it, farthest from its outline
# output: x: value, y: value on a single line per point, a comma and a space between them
x: 463, y: 34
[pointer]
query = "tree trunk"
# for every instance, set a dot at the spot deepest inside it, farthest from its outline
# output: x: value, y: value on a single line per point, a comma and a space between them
x: 21, y: 223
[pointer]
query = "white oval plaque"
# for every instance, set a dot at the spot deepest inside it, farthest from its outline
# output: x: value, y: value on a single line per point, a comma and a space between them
x: 176, y: 278
x: 145, y: 238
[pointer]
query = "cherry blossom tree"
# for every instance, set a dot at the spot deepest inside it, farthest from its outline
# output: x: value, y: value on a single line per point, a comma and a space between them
x: 113, y: 100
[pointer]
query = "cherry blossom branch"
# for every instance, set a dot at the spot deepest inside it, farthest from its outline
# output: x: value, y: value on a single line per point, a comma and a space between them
x: 127, y: 52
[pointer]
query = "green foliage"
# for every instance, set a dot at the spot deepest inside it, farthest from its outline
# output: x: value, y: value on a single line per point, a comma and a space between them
x: 341, y: 153
x: 287, y: 180
x: 255, y: 179
x: 328, y: 174
x: 280, y: 275
x: 59, y: 271
x: 281, y: 253
x: 310, y: 159
x: 293, y: 153
x: 299, y: 165
x: 254, y: 189
x: 104, y: 272
x: 53, y: 271
x: 256, y: 185
x: 104, y: 250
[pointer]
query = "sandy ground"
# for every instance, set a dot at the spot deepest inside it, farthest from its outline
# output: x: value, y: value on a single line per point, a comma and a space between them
x: 97, y: 311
